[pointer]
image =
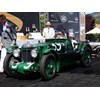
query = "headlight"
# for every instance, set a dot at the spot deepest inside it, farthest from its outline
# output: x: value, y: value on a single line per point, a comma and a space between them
x: 34, y: 53
x: 16, y: 53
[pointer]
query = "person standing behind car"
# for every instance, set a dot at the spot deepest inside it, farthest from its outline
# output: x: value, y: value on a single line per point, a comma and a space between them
x: 8, y: 36
x: 64, y: 33
x: 0, y: 37
x: 48, y: 31
x: 1, y: 30
x: 1, y: 50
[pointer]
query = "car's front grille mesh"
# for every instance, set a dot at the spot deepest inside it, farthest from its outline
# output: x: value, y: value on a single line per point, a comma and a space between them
x: 26, y: 55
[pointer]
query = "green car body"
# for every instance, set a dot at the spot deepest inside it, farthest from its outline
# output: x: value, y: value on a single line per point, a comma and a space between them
x: 46, y: 58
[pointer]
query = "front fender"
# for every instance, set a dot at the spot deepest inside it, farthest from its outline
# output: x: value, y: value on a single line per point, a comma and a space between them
x: 48, y: 51
x: 11, y: 49
x: 82, y: 46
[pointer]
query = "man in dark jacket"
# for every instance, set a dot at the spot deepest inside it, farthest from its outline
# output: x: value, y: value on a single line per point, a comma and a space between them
x: 1, y: 26
x: 7, y: 37
x: 8, y: 32
x: 0, y: 36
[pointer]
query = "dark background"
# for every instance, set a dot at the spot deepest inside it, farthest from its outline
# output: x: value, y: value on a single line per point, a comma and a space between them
x: 72, y: 22
x: 28, y: 19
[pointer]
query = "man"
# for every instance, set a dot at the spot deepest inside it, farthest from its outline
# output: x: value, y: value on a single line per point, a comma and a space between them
x: 64, y: 32
x: 0, y: 37
x: 48, y: 32
x: 8, y: 32
x: 8, y: 35
x: 1, y: 30
x: 1, y: 27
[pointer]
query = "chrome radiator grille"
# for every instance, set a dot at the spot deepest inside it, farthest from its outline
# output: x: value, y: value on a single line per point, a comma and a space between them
x: 26, y: 55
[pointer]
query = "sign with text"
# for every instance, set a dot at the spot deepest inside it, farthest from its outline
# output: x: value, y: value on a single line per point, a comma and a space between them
x: 68, y: 20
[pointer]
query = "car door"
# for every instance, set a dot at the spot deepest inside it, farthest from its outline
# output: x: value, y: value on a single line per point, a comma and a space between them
x: 67, y: 57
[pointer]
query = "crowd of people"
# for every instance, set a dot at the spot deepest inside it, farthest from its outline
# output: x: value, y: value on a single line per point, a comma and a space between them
x: 8, y: 36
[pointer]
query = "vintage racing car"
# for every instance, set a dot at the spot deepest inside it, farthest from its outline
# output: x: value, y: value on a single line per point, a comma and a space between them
x: 46, y: 56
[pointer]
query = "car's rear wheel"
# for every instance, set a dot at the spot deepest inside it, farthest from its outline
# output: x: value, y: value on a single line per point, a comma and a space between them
x: 48, y: 66
x: 98, y: 52
x: 9, y: 60
x: 86, y: 58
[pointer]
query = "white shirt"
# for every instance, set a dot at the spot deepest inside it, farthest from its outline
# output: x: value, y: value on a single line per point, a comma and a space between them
x: 48, y: 33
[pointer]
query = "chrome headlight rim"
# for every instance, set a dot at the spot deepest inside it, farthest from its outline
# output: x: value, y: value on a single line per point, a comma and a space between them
x: 16, y: 52
x: 34, y: 53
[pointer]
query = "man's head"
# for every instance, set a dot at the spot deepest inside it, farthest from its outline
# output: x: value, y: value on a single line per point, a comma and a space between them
x: 3, y: 19
x: 48, y: 24
x: 59, y: 35
x: 63, y: 29
x: 71, y: 36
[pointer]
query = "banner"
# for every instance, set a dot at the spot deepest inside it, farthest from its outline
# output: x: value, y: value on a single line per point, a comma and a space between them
x: 23, y: 19
x: 68, y: 20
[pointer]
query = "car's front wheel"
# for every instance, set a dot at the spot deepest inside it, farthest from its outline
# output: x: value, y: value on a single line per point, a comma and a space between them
x: 8, y: 62
x: 48, y: 66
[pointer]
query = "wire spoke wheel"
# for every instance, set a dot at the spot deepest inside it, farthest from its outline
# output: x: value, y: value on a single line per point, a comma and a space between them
x: 86, y: 58
x: 13, y: 61
x: 8, y: 62
x: 48, y: 66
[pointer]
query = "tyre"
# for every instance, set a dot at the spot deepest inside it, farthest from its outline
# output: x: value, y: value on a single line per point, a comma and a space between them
x: 9, y: 60
x: 98, y: 52
x: 86, y: 58
x: 48, y: 66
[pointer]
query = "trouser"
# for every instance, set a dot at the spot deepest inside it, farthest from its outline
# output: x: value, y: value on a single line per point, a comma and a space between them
x: 3, y: 55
